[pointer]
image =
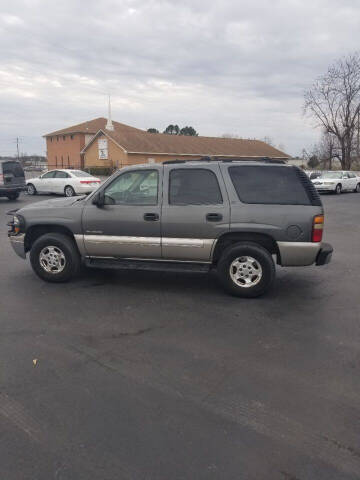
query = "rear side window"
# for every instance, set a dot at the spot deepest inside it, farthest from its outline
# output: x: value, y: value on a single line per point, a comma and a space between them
x: 269, y: 185
x: 60, y: 174
x: 194, y: 186
x: 13, y: 168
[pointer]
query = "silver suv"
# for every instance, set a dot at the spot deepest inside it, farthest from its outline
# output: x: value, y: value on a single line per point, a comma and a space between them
x: 236, y: 217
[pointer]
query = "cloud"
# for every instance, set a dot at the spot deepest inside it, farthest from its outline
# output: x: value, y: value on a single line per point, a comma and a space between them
x: 222, y: 66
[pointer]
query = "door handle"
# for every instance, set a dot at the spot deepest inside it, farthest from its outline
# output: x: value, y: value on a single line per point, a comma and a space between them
x: 151, y: 217
x: 214, y: 217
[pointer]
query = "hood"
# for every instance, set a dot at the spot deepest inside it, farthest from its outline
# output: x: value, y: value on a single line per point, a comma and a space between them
x: 54, y: 203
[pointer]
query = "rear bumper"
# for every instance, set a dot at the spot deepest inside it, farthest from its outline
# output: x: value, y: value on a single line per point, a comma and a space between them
x: 298, y: 254
x: 18, y: 244
x: 6, y: 190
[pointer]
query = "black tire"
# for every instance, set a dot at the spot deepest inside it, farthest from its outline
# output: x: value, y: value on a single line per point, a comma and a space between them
x: 13, y: 196
x: 31, y: 190
x: 262, y: 258
x: 338, y: 189
x: 61, y: 243
x: 357, y: 188
x: 69, y: 191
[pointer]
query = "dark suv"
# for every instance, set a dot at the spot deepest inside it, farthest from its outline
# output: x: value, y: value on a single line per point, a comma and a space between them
x: 235, y: 217
x: 12, y: 179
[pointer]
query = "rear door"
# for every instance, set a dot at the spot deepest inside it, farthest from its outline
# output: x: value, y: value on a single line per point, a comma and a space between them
x: 195, y: 211
x: 13, y: 174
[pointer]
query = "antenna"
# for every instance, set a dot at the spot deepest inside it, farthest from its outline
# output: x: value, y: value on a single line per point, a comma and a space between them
x: 109, y: 124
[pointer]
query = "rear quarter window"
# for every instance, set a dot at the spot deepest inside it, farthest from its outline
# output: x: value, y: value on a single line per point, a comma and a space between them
x: 13, y: 168
x: 269, y: 185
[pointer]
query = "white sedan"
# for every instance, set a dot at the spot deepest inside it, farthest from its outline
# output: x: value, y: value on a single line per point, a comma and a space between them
x: 337, y: 181
x: 65, y: 182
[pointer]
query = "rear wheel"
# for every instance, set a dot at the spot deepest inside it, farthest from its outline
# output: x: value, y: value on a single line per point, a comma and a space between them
x: 54, y: 257
x: 69, y: 191
x: 246, y: 270
x: 31, y: 190
x: 357, y: 188
x: 338, y: 189
x: 13, y: 196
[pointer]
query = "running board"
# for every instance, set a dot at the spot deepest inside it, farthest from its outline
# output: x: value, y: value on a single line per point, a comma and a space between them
x: 157, y: 266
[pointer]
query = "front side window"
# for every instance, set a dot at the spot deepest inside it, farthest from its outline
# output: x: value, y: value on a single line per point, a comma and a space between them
x: 194, y: 186
x: 138, y: 187
x: 268, y: 185
x: 49, y: 174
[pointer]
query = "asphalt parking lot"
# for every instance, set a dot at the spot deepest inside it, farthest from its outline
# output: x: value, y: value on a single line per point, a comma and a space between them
x: 141, y: 375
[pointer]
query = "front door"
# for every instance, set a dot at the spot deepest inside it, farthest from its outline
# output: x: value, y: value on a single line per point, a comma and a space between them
x: 195, y: 212
x: 128, y: 224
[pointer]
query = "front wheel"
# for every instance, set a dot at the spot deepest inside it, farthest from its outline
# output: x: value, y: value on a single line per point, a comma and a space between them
x: 54, y: 257
x: 357, y: 188
x: 338, y: 189
x: 31, y: 190
x: 69, y: 191
x: 246, y: 270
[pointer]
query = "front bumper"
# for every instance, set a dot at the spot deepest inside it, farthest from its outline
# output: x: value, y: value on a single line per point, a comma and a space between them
x: 18, y: 244
x: 325, y: 188
x: 301, y: 254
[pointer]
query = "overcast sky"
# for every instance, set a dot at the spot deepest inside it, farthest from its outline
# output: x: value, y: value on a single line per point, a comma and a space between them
x: 222, y: 66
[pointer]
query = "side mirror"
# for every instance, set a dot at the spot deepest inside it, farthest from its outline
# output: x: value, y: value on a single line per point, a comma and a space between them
x: 98, y: 199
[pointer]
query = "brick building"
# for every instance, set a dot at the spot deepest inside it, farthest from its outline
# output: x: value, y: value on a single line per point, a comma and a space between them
x: 102, y: 143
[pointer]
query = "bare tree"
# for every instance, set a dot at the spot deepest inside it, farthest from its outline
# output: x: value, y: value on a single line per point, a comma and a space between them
x: 334, y: 101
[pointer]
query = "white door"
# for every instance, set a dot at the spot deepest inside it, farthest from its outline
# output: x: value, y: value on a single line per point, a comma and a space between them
x: 353, y: 180
x: 60, y: 181
x: 44, y: 182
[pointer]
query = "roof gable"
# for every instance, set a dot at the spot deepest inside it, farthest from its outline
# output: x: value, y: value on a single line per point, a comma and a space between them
x: 93, y: 126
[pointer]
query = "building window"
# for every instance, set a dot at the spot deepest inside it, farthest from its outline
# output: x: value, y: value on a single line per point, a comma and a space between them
x: 63, y: 137
x: 71, y: 136
x: 56, y: 160
x: 68, y: 160
x: 50, y: 139
x: 57, y: 138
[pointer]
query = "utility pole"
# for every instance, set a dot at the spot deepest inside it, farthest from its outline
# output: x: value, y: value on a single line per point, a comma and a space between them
x: 17, y: 148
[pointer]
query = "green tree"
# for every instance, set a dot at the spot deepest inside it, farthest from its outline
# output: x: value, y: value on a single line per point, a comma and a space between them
x: 190, y: 131
x: 172, y: 130
x: 153, y: 130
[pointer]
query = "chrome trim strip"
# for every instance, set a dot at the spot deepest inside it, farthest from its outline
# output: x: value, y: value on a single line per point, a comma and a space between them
x: 294, y: 254
x: 187, y: 242
x: 122, y: 240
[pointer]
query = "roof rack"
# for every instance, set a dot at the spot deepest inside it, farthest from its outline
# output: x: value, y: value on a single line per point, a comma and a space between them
x: 228, y: 160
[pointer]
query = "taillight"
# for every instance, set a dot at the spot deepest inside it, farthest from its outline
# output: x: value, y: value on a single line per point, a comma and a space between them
x: 90, y: 181
x: 318, y: 228
x: 1, y: 178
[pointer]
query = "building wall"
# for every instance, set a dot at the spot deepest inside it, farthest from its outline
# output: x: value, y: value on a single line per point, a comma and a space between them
x: 63, y: 151
x: 117, y: 158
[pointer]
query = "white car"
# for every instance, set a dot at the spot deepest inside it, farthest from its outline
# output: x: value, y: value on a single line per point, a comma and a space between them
x: 337, y: 181
x: 65, y: 182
